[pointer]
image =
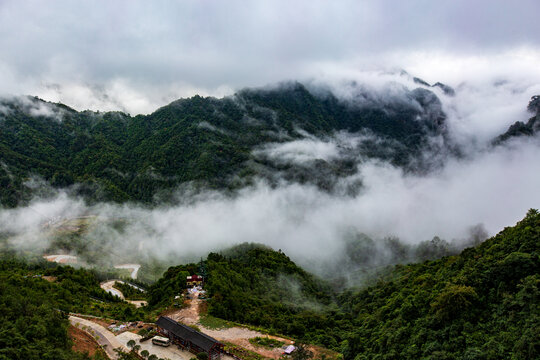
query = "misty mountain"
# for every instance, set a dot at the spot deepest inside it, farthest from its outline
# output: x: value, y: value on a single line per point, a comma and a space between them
x: 519, y: 128
x: 238, y: 283
x: 214, y: 143
x: 448, y: 90
x: 480, y: 304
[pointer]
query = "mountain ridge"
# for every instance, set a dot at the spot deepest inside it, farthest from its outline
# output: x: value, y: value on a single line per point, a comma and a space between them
x: 208, y: 141
x: 216, y: 143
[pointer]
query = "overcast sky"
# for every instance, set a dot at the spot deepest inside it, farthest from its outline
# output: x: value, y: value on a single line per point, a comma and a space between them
x: 138, y: 55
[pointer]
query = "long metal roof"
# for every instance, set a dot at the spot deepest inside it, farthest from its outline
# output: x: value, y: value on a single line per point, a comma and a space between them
x: 199, y: 339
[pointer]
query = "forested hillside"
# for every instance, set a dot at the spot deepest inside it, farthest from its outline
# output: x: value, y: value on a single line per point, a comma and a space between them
x: 518, y: 129
x: 253, y: 284
x: 480, y: 304
x: 257, y: 285
x: 34, y: 300
x: 205, y: 141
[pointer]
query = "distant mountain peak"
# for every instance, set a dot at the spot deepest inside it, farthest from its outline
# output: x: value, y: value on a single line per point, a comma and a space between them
x: 448, y: 90
x: 534, y: 104
x: 519, y: 128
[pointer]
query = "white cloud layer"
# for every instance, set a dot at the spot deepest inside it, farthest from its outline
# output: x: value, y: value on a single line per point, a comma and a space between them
x: 495, y: 188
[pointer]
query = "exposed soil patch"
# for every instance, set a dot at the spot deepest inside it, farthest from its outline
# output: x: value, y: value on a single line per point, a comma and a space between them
x: 319, y: 352
x: 82, y: 342
x: 188, y: 315
x: 61, y: 259
x: 138, y: 303
x: 244, y: 342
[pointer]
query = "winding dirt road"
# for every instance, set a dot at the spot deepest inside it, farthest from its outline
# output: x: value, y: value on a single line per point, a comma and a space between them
x: 108, y: 286
x: 133, y: 267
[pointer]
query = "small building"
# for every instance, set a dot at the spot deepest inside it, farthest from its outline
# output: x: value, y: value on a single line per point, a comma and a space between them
x: 194, y: 280
x: 289, y: 349
x: 189, y: 339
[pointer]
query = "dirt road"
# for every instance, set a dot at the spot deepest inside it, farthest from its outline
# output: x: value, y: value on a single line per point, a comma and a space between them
x: 108, y: 286
x: 133, y: 267
x: 236, y: 335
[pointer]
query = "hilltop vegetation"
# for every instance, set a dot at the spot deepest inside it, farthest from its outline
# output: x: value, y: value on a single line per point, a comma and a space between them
x: 481, y: 304
x: 204, y: 141
x: 253, y: 284
x: 521, y: 129
x: 172, y: 283
x: 256, y: 285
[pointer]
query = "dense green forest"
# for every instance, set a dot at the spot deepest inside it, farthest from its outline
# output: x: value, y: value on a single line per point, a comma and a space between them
x: 256, y: 285
x: 72, y: 290
x: 481, y: 304
x: 253, y: 284
x: 34, y: 301
x: 172, y: 283
x: 203, y: 141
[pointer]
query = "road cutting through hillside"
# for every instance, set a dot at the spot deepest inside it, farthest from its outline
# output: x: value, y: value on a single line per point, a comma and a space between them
x: 133, y: 267
x: 108, y: 286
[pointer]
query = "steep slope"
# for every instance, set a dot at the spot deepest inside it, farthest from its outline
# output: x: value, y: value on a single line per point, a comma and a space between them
x: 481, y: 304
x: 253, y: 284
x: 257, y: 285
x: 209, y: 142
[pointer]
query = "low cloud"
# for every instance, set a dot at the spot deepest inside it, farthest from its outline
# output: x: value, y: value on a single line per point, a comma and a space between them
x: 494, y: 188
x: 300, y: 151
x: 31, y: 106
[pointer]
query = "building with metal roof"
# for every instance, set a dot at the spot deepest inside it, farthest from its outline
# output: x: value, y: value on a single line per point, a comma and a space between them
x: 189, y: 338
